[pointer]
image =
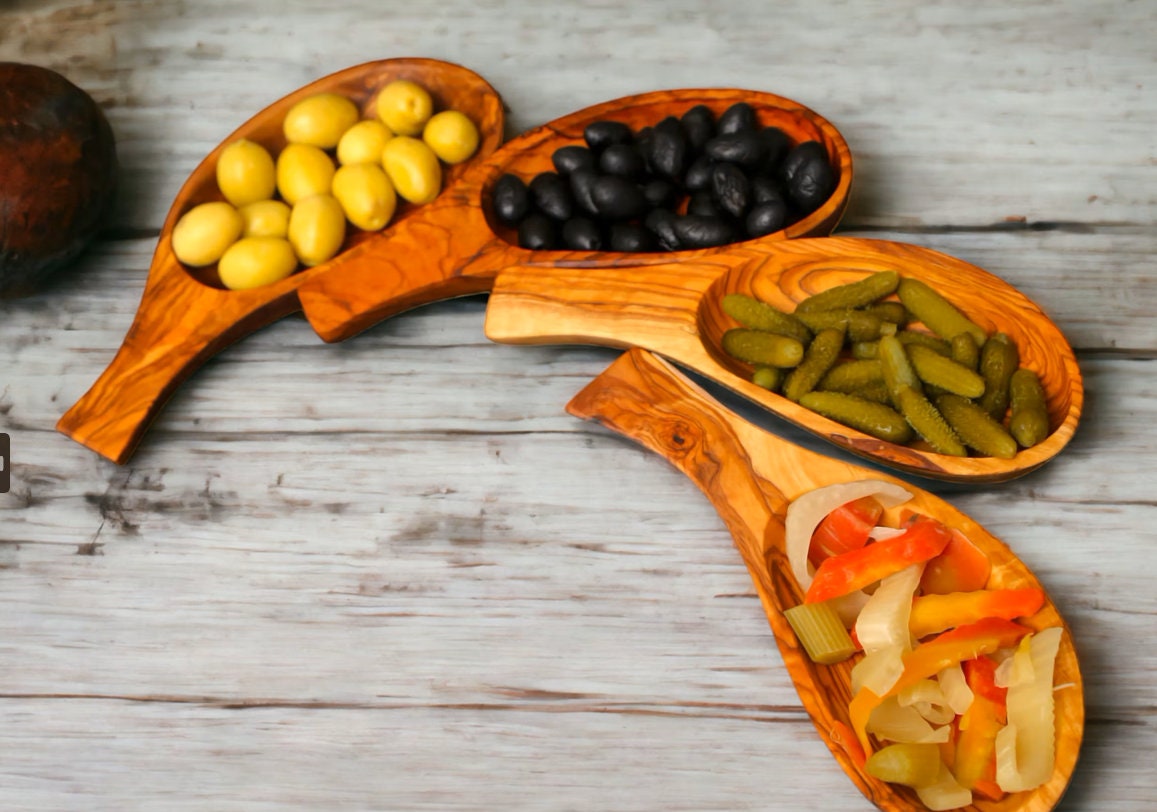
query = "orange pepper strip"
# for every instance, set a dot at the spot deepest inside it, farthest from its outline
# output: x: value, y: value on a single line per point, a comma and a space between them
x: 961, y: 567
x: 988, y: 787
x: 842, y: 735
x: 980, y: 674
x: 927, y: 659
x: 935, y: 613
x: 976, y: 745
x: 856, y: 569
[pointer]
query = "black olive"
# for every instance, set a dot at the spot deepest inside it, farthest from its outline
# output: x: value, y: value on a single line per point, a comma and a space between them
x: 537, y: 232
x: 766, y: 218
x: 765, y: 190
x: 643, y: 140
x: 696, y: 231
x: 661, y: 223
x: 798, y: 156
x: 668, y: 156
x: 511, y: 200
x: 631, y: 237
x: 744, y: 148
x: 730, y: 188
x: 568, y: 159
x: 812, y: 184
x: 775, y: 146
x: 703, y: 203
x: 621, y: 159
x: 736, y: 118
x: 551, y: 195
x: 699, y: 125
x: 660, y: 194
x: 698, y: 175
x: 582, y: 182
x: 581, y: 234
x: 617, y: 198
x: 601, y: 134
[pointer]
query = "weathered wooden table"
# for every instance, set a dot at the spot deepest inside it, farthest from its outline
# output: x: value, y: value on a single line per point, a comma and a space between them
x: 394, y: 573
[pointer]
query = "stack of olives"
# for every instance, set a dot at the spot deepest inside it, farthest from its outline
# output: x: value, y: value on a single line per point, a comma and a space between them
x: 335, y: 168
x: 687, y: 182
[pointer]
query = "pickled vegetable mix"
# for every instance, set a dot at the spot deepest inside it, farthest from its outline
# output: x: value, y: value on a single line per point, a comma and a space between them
x: 952, y: 687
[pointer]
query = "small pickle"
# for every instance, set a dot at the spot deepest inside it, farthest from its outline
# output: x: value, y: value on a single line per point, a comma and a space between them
x: 897, y: 368
x: 860, y: 326
x: 767, y: 377
x: 937, y: 313
x: 852, y: 375
x: 973, y: 425
x: 910, y: 337
x: 965, y: 351
x: 998, y: 360
x: 865, y: 350
x: 820, y: 356
x: 872, y: 418
x: 929, y: 423
x: 757, y: 347
x: 895, y: 312
x: 751, y: 312
x: 876, y: 392
x: 854, y: 294
x: 1029, y: 422
x: 936, y: 370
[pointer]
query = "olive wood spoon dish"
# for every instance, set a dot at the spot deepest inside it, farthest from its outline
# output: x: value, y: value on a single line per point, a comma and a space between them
x: 456, y: 246
x: 186, y: 316
x: 675, y: 310
x: 751, y: 476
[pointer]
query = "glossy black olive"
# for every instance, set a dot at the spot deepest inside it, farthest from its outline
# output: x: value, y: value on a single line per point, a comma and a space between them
x: 696, y: 231
x: 582, y: 182
x: 551, y: 195
x: 660, y: 194
x: 703, y: 203
x: 797, y: 156
x: 736, y: 118
x: 621, y: 159
x: 661, y: 223
x: 699, y: 125
x: 812, y: 184
x: 775, y: 146
x: 668, y: 156
x: 537, y: 232
x: 511, y: 200
x: 601, y: 134
x: 744, y: 148
x: 631, y: 237
x: 581, y: 234
x: 698, y: 175
x: 570, y: 158
x: 618, y: 198
x: 765, y: 189
x: 765, y: 218
x: 730, y: 188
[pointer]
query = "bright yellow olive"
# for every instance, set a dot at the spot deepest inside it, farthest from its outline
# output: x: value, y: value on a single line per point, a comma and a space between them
x: 204, y: 232
x: 413, y: 168
x: 255, y: 261
x: 303, y: 170
x: 265, y: 218
x: 362, y: 143
x: 366, y: 195
x: 404, y: 107
x: 452, y: 136
x: 245, y: 172
x: 320, y: 120
x: 316, y: 228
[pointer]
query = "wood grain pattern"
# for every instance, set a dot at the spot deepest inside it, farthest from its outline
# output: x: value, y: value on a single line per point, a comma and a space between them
x: 675, y: 310
x: 185, y: 316
x: 457, y: 247
x: 750, y: 477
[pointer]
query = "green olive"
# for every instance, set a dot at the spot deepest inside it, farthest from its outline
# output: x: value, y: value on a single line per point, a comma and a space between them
x: 404, y: 107
x: 303, y: 170
x: 245, y: 173
x: 362, y: 143
x: 255, y: 261
x: 320, y: 120
x: 452, y: 136
x: 413, y: 168
x: 316, y: 228
x: 366, y: 195
x: 265, y: 218
x: 204, y: 232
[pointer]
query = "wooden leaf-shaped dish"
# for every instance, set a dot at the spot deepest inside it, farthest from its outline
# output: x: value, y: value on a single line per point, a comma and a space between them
x: 456, y: 246
x: 185, y: 315
x: 675, y: 310
x: 751, y: 476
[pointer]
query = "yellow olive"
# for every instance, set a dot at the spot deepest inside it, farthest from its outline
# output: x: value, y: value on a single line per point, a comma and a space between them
x: 255, y: 261
x: 404, y: 107
x: 362, y: 143
x: 245, y: 172
x: 316, y: 228
x: 204, y: 232
x: 320, y: 120
x: 452, y: 136
x: 366, y: 195
x: 265, y: 218
x: 413, y: 168
x: 303, y: 170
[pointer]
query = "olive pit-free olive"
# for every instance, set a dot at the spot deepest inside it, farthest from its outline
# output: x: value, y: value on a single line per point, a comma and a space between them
x: 303, y: 170
x: 572, y: 158
x: 621, y: 159
x: 363, y: 142
x: 730, y: 188
x: 736, y: 118
x: 246, y: 173
x: 660, y: 194
x: 204, y: 233
x: 668, y: 153
x: 812, y: 184
x: 699, y: 125
x: 404, y: 107
x: 698, y: 176
x: 798, y: 156
x: 765, y: 190
x: 766, y: 218
x: 697, y: 231
x: 582, y: 234
x: 316, y: 228
x: 630, y: 237
x: 661, y: 223
x: 265, y: 218
x: 413, y: 168
x: 537, y: 232
x: 511, y: 200
x: 601, y: 134
x: 582, y: 183
x: 703, y: 204
x: 745, y: 148
x: 452, y: 136
x: 320, y: 120
x: 253, y: 262
x: 551, y: 195
x: 775, y: 145
x: 617, y: 198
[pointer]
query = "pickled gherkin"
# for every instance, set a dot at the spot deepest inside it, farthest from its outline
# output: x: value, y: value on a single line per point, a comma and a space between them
x: 821, y: 355
x: 758, y: 347
x: 910, y: 337
x: 937, y: 313
x: 767, y: 377
x: 852, y: 375
x: 1029, y: 421
x: 874, y: 419
x: 973, y: 426
x: 897, y: 369
x: 876, y: 392
x: 965, y: 351
x: 864, y: 350
x: 894, y: 312
x: 854, y: 294
x: 757, y: 315
x: 860, y: 326
x: 944, y: 373
x: 928, y: 422
x: 998, y: 360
